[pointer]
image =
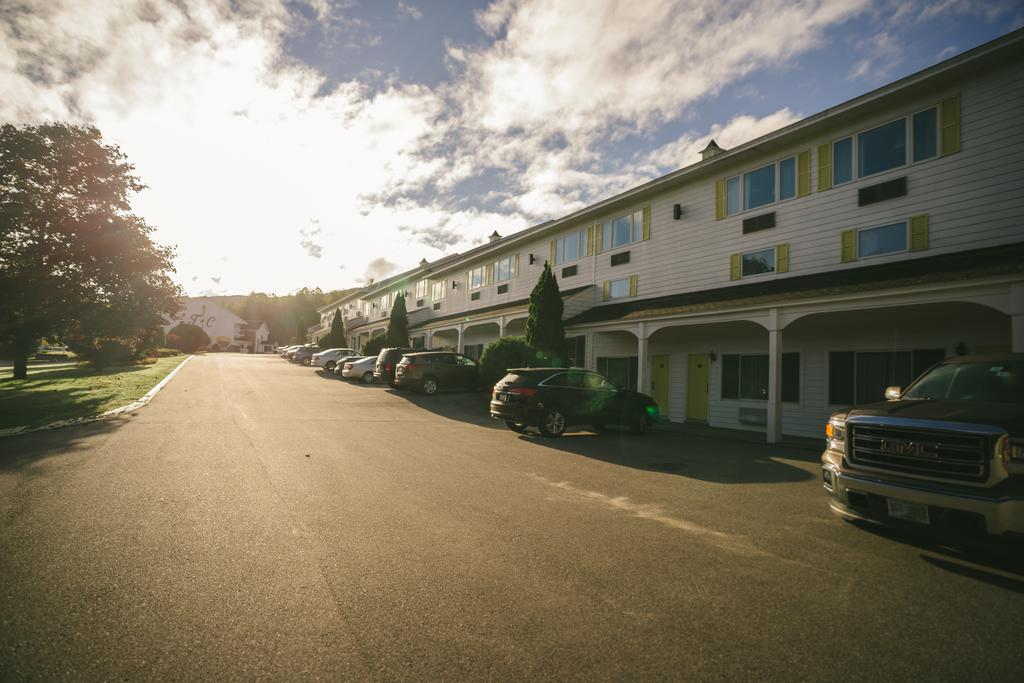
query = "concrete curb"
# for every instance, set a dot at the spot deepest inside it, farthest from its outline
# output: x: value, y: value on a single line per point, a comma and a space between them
x: 113, y: 412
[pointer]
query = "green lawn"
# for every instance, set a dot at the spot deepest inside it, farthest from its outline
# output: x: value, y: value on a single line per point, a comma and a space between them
x: 61, y: 393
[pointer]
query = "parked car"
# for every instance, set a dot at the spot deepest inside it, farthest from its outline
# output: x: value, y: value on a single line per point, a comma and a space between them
x: 359, y: 368
x: 304, y: 354
x: 339, y: 363
x: 289, y: 351
x: 431, y: 371
x: 553, y: 399
x: 327, y: 359
x: 52, y: 352
x: 387, y: 359
x: 945, y: 456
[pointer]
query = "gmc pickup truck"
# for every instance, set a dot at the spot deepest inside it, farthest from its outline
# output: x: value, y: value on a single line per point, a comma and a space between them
x: 945, y: 455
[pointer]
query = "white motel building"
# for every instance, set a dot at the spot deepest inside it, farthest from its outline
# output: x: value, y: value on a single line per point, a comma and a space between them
x: 768, y: 285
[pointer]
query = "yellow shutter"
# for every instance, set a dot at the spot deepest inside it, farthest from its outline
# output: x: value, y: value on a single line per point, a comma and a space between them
x: 950, y: 138
x: 607, y: 291
x: 782, y: 258
x: 598, y: 235
x: 919, y: 232
x: 734, y: 267
x: 647, y: 222
x: 551, y: 261
x: 490, y: 273
x: 590, y: 240
x: 516, y: 271
x: 803, y: 173
x: 467, y: 280
x: 719, y: 199
x: 849, y: 246
x: 824, y: 166
x: 632, y: 285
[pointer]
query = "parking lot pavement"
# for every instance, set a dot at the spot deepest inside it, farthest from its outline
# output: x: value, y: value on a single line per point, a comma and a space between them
x: 261, y: 520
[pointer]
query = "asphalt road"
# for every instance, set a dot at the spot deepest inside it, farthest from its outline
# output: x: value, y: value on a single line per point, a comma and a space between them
x: 258, y: 520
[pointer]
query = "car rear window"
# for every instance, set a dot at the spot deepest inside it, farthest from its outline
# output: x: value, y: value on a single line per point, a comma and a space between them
x: 518, y: 379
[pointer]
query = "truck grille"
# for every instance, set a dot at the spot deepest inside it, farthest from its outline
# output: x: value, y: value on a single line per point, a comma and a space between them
x: 920, y: 452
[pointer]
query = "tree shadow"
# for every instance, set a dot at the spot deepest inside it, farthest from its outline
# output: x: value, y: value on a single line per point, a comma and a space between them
x: 23, y: 450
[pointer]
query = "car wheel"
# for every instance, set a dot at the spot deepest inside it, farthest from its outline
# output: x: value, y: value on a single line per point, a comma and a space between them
x: 429, y: 386
x: 553, y: 422
x: 306, y: 361
x: 516, y: 426
x: 329, y: 365
x: 639, y: 424
x: 367, y: 377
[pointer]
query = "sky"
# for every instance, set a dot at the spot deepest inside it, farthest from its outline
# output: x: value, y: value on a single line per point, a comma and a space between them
x: 293, y: 143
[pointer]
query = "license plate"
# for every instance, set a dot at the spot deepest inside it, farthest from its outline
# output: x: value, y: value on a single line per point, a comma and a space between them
x: 905, y: 510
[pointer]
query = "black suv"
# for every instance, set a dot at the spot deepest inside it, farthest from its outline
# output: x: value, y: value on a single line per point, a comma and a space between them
x: 387, y: 359
x: 552, y: 399
x: 431, y: 371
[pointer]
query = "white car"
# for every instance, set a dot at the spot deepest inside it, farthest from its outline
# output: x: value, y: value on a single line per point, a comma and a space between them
x: 326, y: 359
x: 361, y: 369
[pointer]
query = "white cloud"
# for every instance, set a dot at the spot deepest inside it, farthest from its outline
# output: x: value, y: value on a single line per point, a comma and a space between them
x: 410, y: 10
x: 884, y: 53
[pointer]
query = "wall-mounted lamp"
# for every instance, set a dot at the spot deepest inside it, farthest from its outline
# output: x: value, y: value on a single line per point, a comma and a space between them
x: 455, y: 285
x: 532, y: 259
x: 712, y: 357
x: 677, y: 211
x: 961, y: 349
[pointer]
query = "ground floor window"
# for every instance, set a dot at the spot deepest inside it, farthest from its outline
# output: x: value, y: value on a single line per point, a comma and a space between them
x: 417, y: 342
x: 577, y: 347
x: 862, y: 376
x: 474, y: 351
x: 746, y: 376
x: 623, y: 370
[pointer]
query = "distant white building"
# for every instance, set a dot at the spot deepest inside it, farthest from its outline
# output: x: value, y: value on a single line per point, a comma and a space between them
x: 227, y: 331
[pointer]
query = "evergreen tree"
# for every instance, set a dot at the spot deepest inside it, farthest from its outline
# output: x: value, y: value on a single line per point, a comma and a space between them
x: 398, y: 323
x: 545, y: 331
x: 335, y: 339
x: 300, y: 332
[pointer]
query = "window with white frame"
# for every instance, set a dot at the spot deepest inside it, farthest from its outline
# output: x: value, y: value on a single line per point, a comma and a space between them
x: 762, y: 186
x: 618, y: 289
x: 421, y: 289
x: 885, y: 147
x: 571, y: 247
x: 883, y: 239
x: 438, y: 289
x: 504, y: 268
x: 622, y: 230
x: 365, y: 306
x: 757, y: 262
x: 478, y: 277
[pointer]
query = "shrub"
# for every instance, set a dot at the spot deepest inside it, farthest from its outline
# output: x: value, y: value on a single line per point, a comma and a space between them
x: 375, y: 344
x: 108, y: 351
x: 187, y: 338
x: 500, y: 355
x: 164, y: 352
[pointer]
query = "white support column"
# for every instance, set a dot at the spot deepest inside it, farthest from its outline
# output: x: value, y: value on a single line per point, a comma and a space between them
x: 458, y: 344
x: 641, y: 360
x: 774, y: 432
x: 428, y: 340
x: 501, y: 326
x: 1017, y: 318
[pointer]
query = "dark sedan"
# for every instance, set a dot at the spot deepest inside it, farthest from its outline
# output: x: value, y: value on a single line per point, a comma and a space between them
x: 553, y: 399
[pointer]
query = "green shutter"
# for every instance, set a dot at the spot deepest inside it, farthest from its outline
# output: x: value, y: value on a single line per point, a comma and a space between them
x: 824, y: 166
x: 719, y: 199
x: 607, y: 293
x: 803, y: 173
x: 590, y: 240
x: 647, y: 222
x: 632, y: 285
x: 551, y: 261
x: 919, y: 232
x: 849, y: 246
x: 598, y: 235
x: 950, y: 138
x: 734, y: 267
x: 782, y: 258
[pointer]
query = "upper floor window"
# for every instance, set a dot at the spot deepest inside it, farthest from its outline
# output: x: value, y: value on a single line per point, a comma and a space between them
x: 571, y: 247
x: 421, y: 289
x: 383, y: 302
x: 622, y: 230
x: 365, y: 306
x: 618, y: 289
x: 478, y: 277
x: 504, y: 268
x: 885, y: 239
x: 774, y: 182
x: 886, y: 147
x: 438, y: 290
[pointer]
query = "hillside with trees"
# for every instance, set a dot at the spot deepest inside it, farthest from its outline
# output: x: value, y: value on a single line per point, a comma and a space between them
x: 285, y: 314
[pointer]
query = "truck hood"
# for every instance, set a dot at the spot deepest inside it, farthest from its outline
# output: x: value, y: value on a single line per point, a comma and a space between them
x: 1008, y: 416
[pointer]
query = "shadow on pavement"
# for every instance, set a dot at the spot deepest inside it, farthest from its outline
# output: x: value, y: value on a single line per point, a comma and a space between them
x: 21, y: 451
x: 463, y: 406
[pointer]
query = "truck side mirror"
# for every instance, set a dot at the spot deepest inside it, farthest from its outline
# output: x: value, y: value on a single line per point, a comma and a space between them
x: 893, y: 393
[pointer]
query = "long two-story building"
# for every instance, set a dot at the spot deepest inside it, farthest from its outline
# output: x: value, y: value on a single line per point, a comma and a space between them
x: 767, y: 285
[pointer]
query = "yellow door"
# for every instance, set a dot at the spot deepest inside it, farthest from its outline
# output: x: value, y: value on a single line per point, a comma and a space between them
x: 697, y: 387
x: 659, y: 384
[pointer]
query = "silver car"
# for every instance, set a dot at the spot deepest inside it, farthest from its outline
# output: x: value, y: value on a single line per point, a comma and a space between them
x: 327, y: 359
x: 361, y: 369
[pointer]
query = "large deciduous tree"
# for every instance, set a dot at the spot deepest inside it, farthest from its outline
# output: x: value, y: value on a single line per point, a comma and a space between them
x: 545, y: 330
x: 74, y: 261
x: 398, y: 323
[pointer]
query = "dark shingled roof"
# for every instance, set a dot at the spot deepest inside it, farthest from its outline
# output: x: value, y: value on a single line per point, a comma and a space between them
x: 965, y: 265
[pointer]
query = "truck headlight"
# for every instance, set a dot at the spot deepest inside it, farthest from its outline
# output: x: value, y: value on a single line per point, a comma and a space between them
x: 835, y: 433
x: 1011, y: 450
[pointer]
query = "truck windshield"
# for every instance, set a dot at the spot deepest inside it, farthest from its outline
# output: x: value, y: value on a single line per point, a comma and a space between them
x: 1000, y: 381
